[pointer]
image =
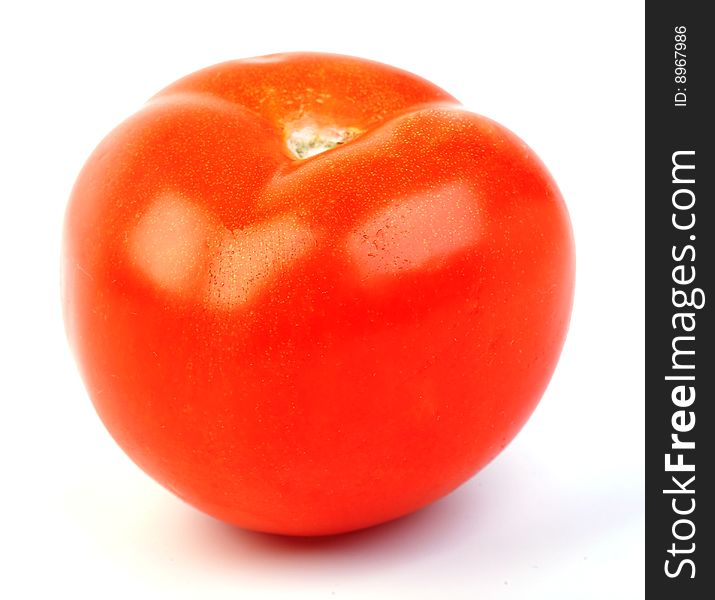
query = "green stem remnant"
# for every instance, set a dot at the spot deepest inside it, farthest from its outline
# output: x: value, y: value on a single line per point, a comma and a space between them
x: 307, y: 140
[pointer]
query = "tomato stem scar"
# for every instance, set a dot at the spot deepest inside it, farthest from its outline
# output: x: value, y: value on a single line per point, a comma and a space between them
x: 305, y: 140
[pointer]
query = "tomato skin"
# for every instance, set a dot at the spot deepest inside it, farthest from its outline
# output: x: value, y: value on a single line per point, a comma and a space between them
x: 311, y: 346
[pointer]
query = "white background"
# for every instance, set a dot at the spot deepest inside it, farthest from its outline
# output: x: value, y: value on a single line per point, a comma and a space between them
x: 558, y: 515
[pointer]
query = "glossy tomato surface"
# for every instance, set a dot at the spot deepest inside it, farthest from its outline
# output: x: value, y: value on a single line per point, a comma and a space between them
x: 310, y: 293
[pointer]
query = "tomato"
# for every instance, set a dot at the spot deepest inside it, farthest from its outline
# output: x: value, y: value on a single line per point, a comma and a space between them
x: 310, y: 293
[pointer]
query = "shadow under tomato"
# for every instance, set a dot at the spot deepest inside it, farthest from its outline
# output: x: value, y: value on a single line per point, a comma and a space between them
x: 486, y: 524
x: 402, y: 540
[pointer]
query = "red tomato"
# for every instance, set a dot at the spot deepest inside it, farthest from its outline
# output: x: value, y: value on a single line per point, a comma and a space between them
x: 310, y: 293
